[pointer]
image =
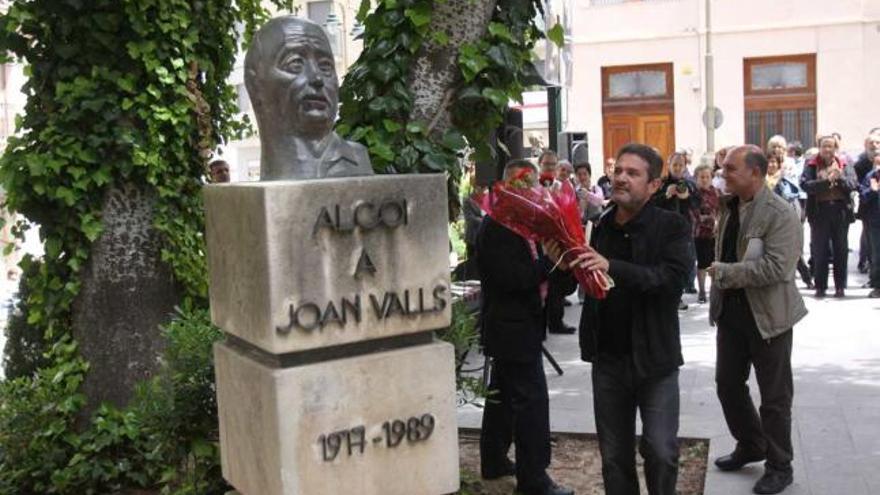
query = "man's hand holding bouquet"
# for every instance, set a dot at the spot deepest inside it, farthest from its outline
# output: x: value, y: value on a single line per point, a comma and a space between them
x: 549, y: 216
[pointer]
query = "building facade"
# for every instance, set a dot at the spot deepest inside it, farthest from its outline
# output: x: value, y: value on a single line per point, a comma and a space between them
x: 790, y: 67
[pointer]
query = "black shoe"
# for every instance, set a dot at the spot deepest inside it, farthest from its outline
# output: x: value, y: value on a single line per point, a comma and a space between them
x: 773, y: 481
x: 507, y: 469
x: 736, y: 460
x: 552, y: 489
x: 874, y: 294
x: 838, y: 293
x: 566, y: 302
x: 820, y: 293
x: 564, y: 329
x: 701, y: 299
x: 690, y: 290
x: 682, y: 306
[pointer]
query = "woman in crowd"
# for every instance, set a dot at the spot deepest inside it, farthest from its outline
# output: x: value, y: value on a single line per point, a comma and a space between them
x: 704, y: 226
x: 591, y: 199
x: 780, y: 184
x: 828, y: 181
x: 679, y: 194
x: 717, y: 170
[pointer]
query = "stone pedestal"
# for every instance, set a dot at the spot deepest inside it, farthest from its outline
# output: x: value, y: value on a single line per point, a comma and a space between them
x: 330, y: 380
x: 381, y: 423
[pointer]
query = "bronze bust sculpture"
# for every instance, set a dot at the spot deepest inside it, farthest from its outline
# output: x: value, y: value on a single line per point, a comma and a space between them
x: 290, y: 75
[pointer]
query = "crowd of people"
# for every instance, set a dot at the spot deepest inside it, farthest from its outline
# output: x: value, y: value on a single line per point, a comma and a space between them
x: 660, y: 229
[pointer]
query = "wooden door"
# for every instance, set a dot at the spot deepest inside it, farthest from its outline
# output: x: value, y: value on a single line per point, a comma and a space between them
x: 619, y: 130
x: 654, y: 130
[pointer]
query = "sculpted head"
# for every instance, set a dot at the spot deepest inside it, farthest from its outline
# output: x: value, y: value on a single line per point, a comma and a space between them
x: 290, y: 75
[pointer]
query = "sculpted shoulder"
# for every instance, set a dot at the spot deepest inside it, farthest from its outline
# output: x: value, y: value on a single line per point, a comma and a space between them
x: 345, y: 159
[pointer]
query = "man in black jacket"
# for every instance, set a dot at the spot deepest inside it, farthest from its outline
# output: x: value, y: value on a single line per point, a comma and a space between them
x: 514, y: 275
x: 632, y: 336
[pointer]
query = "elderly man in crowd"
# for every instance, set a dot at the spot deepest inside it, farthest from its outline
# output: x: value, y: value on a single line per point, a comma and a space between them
x: 870, y: 202
x: 755, y: 305
x: 556, y: 302
x: 864, y: 165
x: 828, y: 181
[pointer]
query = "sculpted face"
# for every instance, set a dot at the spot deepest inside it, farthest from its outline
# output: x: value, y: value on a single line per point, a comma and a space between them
x: 296, y: 77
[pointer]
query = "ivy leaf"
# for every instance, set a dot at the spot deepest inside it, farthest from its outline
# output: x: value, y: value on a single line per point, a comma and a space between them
x: 556, y: 34
x: 53, y: 247
x: 420, y: 15
x: 500, y: 31
x: 66, y: 194
x: 385, y: 71
x: 436, y: 161
x: 454, y: 140
x: 471, y: 62
x: 415, y: 128
x: 91, y: 227
x: 363, y: 10
x: 382, y: 150
x: 496, y: 96
x: 440, y: 38
x: 502, y: 56
x: 468, y: 94
x: 391, y: 126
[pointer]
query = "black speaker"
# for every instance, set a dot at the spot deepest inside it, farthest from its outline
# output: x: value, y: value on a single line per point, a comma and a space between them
x: 510, y: 134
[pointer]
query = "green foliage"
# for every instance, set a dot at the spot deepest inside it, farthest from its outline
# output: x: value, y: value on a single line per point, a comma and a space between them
x: 376, y: 103
x: 166, y: 439
x: 118, y: 92
x: 180, y: 408
x: 463, y: 335
x: 25, y: 346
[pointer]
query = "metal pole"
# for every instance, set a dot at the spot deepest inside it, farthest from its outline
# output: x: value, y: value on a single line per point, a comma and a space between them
x: 710, y: 83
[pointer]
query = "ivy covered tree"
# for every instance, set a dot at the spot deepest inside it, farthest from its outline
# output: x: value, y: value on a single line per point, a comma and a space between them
x: 435, y: 77
x: 126, y: 99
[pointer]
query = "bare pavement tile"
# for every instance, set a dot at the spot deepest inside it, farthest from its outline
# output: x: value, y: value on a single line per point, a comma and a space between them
x: 836, y: 416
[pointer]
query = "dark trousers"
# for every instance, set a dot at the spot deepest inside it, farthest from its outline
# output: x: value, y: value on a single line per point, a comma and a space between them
x: 517, y: 411
x: 554, y: 309
x: 739, y: 346
x: 829, y: 224
x: 865, y: 254
x: 617, y: 393
x: 873, y: 229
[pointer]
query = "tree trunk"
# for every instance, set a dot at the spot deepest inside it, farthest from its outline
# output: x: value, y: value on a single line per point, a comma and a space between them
x: 435, y: 72
x: 127, y: 293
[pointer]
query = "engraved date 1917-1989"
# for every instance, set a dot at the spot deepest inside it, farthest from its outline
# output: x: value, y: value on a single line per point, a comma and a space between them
x: 392, y: 435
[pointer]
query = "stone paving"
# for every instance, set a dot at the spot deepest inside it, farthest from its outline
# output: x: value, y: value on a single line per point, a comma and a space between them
x: 836, y: 416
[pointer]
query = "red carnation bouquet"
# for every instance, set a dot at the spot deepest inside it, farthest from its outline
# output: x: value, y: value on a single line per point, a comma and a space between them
x: 543, y: 214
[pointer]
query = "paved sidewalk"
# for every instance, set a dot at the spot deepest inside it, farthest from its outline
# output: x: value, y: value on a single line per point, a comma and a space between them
x: 836, y: 427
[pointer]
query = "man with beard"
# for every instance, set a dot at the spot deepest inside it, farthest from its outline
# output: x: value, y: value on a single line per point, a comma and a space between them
x: 290, y: 75
x: 632, y: 336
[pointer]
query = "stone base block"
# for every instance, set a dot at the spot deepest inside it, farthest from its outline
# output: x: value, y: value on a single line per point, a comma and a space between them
x: 305, y: 265
x: 382, y: 423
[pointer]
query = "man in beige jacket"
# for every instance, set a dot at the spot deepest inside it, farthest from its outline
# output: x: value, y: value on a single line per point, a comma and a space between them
x: 755, y: 304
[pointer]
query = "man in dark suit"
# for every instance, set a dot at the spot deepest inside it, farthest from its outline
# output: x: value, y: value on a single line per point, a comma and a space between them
x: 514, y: 274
